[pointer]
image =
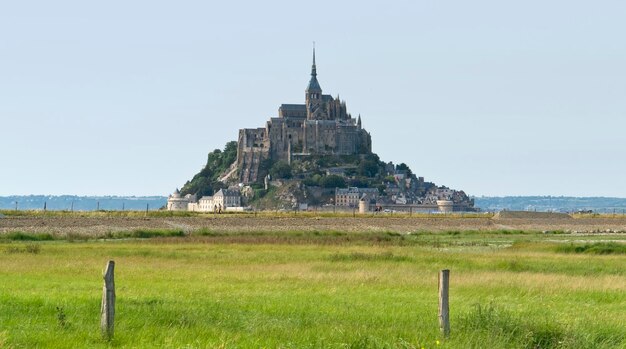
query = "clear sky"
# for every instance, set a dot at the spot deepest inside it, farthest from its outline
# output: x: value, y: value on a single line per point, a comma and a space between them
x: 489, y: 96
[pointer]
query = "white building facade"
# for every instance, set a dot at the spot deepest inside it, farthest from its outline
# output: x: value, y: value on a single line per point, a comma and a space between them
x: 224, y: 199
x: 350, y: 197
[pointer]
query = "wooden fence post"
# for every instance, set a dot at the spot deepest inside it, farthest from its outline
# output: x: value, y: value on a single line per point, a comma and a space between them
x: 444, y: 310
x: 107, y: 311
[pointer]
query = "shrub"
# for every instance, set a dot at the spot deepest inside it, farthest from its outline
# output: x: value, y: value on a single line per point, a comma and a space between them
x: 20, y: 236
x: 497, y: 323
x: 601, y: 248
x: 61, y: 317
x: 145, y: 234
x: 333, y: 181
x: 30, y: 248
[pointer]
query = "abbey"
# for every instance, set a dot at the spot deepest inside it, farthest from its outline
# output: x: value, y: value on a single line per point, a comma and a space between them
x: 320, y: 126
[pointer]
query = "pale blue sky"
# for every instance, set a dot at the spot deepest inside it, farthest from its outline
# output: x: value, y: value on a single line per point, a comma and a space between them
x: 492, y: 97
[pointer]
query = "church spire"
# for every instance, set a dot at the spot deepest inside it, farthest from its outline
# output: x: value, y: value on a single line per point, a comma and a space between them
x: 314, y: 86
x: 313, y: 93
x: 313, y: 68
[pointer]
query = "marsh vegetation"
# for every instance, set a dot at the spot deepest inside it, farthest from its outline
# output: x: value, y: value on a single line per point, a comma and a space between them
x: 315, y: 289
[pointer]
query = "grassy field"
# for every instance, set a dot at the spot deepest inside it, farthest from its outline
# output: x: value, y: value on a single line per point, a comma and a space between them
x: 303, y: 289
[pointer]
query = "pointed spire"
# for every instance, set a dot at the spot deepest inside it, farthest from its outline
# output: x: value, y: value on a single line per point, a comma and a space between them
x: 314, y: 86
x: 313, y: 68
x: 358, y: 122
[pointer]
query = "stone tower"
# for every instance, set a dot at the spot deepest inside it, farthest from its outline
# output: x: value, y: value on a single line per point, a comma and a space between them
x: 313, y: 94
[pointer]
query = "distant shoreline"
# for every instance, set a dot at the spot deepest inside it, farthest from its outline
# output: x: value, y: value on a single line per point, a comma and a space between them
x: 81, y: 203
x: 485, y: 203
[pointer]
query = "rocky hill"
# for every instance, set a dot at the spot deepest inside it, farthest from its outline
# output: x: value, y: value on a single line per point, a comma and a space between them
x: 313, y: 180
x: 308, y: 154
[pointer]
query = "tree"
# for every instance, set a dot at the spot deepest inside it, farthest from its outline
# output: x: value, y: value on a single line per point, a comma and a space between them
x: 313, y: 180
x: 360, y: 182
x: 368, y: 168
x: 218, y: 161
x: 333, y: 181
x: 316, y: 178
x: 281, y: 170
x: 404, y: 167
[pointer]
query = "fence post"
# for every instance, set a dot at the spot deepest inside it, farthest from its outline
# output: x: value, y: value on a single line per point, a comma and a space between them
x: 107, y: 311
x: 444, y: 309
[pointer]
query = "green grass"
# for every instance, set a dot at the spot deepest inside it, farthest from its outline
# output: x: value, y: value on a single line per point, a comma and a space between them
x: 360, y: 256
x: 443, y: 239
x: 313, y: 290
x: 148, y: 233
x: 21, y: 236
x: 593, y: 248
x: 135, y: 234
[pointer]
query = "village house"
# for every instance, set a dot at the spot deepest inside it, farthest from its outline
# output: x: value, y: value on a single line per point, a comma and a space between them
x: 349, y: 197
x: 336, y: 171
x: 223, y: 200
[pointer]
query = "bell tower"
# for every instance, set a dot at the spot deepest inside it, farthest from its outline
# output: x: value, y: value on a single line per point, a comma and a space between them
x: 313, y: 92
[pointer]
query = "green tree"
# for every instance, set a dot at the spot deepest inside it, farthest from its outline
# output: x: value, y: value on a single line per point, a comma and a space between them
x: 368, y: 168
x: 316, y: 178
x: 404, y: 167
x: 381, y: 189
x: 333, y: 181
x: 205, y: 181
x: 281, y: 170
x: 360, y: 182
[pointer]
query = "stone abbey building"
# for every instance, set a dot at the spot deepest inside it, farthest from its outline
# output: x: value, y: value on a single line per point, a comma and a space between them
x: 320, y: 126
